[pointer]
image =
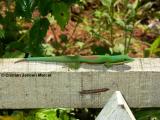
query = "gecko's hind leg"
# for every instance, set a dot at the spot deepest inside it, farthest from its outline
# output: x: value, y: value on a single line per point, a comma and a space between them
x: 108, y: 65
x: 75, y: 65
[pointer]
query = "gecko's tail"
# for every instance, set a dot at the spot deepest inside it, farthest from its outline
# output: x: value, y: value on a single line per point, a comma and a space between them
x: 21, y: 60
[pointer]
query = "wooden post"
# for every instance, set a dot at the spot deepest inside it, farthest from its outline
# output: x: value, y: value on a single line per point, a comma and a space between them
x: 40, y: 84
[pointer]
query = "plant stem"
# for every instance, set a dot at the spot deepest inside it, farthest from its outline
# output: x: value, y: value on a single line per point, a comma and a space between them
x: 75, y: 28
x: 125, y: 40
x: 53, y: 31
x: 106, y: 39
x: 130, y: 37
x: 77, y: 23
x: 23, y: 36
x: 111, y: 27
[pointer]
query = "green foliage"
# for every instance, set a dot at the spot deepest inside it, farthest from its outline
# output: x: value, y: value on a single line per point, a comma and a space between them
x: 40, y: 114
x: 113, y: 14
x: 69, y: 2
x: 25, y: 8
x: 45, y: 6
x: 61, y: 13
x: 118, y: 48
x: 147, y: 114
x: 107, y: 3
x: 99, y: 50
x: 14, y: 54
x: 31, y: 40
x: 37, y: 33
x: 2, y: 33
x: 10, y: 27
x: 8, y: 31
x: 20, y: 46
x: 48, y: 50
x: 154, y: 48
x: 46, y: 114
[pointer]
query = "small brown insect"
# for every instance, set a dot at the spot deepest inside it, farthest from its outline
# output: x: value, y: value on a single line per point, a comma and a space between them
x: 93, y: 91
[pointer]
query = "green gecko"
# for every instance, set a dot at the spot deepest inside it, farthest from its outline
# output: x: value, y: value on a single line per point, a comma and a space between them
x: 74, y: 61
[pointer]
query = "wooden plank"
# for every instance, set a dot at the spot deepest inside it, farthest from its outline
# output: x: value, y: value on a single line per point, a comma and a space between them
x: 116, y: 109
x: 40, y: 84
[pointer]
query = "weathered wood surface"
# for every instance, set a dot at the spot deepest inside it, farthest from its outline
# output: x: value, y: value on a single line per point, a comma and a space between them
x: 21, y: 85
x: 116, y: 109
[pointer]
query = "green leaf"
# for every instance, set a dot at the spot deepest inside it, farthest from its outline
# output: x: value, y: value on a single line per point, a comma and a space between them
x: 131, y: 13
x: 80, y: 44
x: 15, y: 54
x: 119, y: 48
x: 155, y: 46
x: 1, y: 49
x: 99, y: 50
x: 120, y: 22
x: 16, y: 46
x: 63, y: 113
x: 46, y: 114
x: 48, y: 50
x: 17, y: 115
x: 135, y: 4
x: 10, y: 27
x: 1, y: 19
x: 25, y: 8
x: 45, y: 6
x: 70, y: 2
x: 108, y: 17
x: 147, y: 6
x: 106, y: 3
x: 147, y: 114
x: 2, y: 33
x: 64, y: 38
x: 98, y: 14
x: 37, y: 33
x: 61, y: 13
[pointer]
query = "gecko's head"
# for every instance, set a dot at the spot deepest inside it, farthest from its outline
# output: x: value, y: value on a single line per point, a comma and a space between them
x: 122, y: 58
x: 126, y: 58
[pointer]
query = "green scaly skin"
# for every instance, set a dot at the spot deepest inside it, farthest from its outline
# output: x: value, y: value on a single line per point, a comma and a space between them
x: 94, y: 59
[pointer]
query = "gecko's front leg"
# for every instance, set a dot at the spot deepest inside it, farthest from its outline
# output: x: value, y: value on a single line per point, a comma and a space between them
x: 74, y: 65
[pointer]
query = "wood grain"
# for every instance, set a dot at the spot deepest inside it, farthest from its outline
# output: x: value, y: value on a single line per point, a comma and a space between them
x: 40, y: 84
